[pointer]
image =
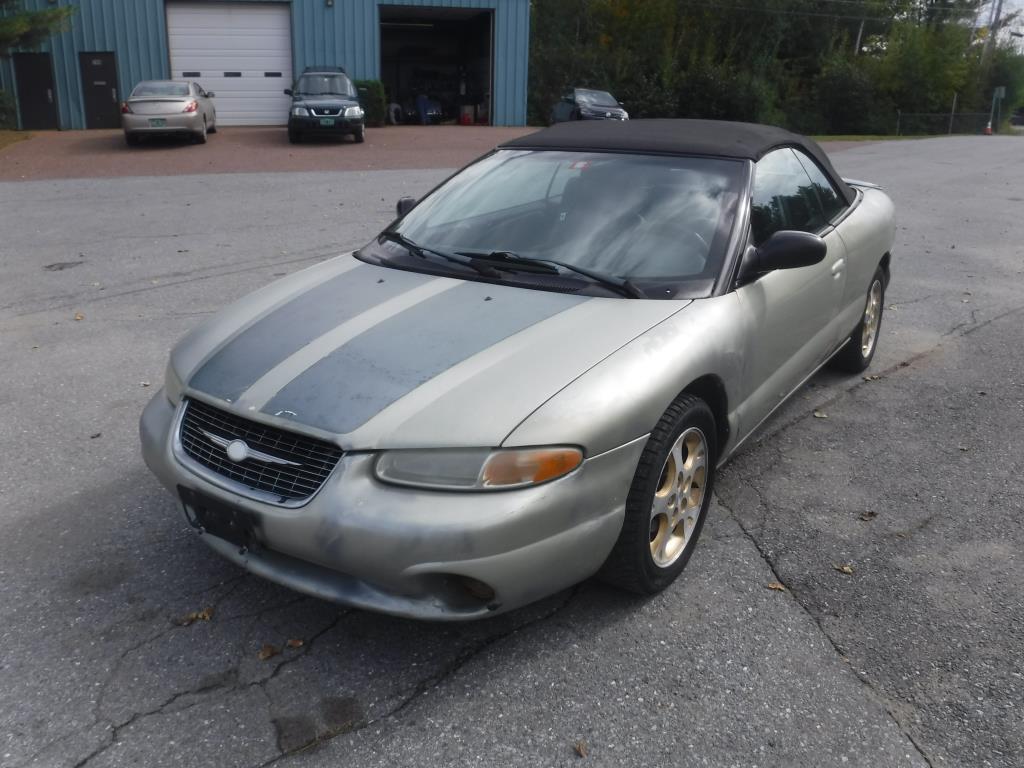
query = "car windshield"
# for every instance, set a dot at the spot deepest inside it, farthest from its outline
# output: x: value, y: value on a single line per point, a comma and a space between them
x: 325, y: 85
x: 596, y: 97
x: 160, y: 89
x: 658, y: 221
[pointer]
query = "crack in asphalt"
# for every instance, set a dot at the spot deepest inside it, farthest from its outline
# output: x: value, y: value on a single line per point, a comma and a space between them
x: 877, y: 694
x: 428, y: 683
x: 165, y: 281
x: 225, y: 686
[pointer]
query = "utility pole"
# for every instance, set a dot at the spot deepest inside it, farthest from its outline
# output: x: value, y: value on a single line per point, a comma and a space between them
x: 993, y: 31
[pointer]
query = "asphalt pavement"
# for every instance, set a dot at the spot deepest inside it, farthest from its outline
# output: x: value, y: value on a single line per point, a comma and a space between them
x: 125, y: 641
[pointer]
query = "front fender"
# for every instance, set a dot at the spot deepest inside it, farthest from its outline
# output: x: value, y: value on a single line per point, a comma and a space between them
x: 625, y: 395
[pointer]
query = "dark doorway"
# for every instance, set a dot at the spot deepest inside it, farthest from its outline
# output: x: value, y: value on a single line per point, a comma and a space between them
x: 436, y: 62
x: 99, y: 90
x: 37, y: 101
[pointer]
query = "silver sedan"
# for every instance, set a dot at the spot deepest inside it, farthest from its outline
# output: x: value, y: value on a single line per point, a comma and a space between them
x: 531, y: 376
x: 168, y: 107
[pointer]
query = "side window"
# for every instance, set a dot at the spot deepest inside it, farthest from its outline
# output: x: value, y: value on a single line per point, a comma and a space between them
x: 832, y: 204
x: 784, y: 197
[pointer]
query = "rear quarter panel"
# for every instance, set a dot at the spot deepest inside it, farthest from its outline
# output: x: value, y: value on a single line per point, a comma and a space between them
x: 868, y: 232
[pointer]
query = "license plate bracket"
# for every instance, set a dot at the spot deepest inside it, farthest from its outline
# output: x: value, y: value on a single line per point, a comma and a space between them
x: 327, y: 121
x: 157, y: 122
x: 207, y: 515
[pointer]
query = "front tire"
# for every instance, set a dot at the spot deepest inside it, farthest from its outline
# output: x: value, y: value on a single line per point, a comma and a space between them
x: 667, y: 501
x: 859, y: 350
x: 294, y: 136
x: 360, y: 135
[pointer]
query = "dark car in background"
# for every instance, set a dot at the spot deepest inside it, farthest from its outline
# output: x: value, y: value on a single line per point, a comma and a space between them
x: 325, y: 103
x: 587, y: 104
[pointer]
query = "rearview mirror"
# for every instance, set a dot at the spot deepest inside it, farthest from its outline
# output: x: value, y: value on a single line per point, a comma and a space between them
x: 405, y: 204
x: 785, y: 249
x: 287, y: 91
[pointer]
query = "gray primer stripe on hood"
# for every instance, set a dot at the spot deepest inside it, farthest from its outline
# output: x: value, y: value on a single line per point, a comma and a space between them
x: 308, y: 316
x: 369, y: 373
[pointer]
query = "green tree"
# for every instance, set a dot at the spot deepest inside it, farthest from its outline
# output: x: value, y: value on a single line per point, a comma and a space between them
x: 20, y: 28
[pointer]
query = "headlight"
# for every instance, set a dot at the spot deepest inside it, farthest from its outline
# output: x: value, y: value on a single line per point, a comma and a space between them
x: 172, y: 385
x: 625, y: 115
x: 300, y: 112
x: 477, y: 469
x: 353, y: 112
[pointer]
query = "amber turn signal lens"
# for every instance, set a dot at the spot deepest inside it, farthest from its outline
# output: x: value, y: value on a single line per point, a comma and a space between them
x: 529, y: 466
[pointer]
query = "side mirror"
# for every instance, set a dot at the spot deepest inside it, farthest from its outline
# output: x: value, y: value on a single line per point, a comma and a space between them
x: 361, y: 93
x: 287, y: 91
x: 785, y: 249
x: 210, y: 94
x: 405, y: 204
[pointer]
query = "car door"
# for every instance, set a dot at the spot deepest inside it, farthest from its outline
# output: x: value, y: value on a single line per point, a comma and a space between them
x: 790, y: 315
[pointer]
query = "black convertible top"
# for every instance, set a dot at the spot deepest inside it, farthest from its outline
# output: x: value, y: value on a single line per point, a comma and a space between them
x: 712, y: 138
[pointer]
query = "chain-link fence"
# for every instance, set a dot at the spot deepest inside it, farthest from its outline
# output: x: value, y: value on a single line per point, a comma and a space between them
x: 940, y: 123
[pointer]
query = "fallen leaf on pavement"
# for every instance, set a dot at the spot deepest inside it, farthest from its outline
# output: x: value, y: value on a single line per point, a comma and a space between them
x: 191, y: 618
x: 95, y: 435
x: 144, y: 383
x: 294, y: 643
x: 847, y: 569
x: 776, y: 585
x: 872, y: 377
x: 868, y: 514
x: 820, y: 414
x: 268, y: 651
x: 964, y: 448
x: 79, y: 316
x: 581, y: 748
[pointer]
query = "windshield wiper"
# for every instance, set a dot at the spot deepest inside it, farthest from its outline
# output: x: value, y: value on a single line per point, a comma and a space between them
x: 511, y: 260
x: 421, y: 251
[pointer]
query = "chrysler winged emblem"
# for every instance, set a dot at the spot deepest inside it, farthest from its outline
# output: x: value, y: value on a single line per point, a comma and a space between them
x: 239, y: 451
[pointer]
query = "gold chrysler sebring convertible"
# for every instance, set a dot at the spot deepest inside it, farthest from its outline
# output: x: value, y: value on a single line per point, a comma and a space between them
x: 531, y: 375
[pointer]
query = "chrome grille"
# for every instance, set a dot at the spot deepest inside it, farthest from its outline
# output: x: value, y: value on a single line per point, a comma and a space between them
x: 306, y: 462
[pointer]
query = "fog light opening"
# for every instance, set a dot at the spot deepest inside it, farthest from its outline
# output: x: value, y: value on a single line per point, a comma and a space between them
x: 477, y: 589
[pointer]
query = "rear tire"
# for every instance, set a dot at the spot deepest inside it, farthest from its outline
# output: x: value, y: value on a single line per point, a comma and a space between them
x: 667, y: 501
x: 859, y: 350
x: 200, y: 138
x: 132, y: 139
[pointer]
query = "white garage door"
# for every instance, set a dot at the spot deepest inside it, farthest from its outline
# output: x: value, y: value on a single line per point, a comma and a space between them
x: 240, y: 51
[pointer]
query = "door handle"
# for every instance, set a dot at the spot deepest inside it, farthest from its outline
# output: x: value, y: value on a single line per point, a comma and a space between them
x: 837, y: 266
x: 49, y: 95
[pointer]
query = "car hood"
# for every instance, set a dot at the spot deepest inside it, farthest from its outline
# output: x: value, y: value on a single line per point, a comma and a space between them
x: 382, y: 358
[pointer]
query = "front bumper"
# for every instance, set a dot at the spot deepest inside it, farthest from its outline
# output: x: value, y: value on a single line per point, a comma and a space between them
x: 341, y: 125
x: 185, y: 122
x: 406, y: 551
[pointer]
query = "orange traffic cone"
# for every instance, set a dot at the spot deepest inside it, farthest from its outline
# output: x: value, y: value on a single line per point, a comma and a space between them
x: 988, y: 128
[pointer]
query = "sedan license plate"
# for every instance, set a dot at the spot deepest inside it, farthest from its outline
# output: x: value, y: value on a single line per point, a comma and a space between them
x: 210, y: 516
x: 328, y: 121
x: 157, y: 122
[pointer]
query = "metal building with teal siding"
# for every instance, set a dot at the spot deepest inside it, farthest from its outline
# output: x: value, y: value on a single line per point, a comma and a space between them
x: 468, y: 55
